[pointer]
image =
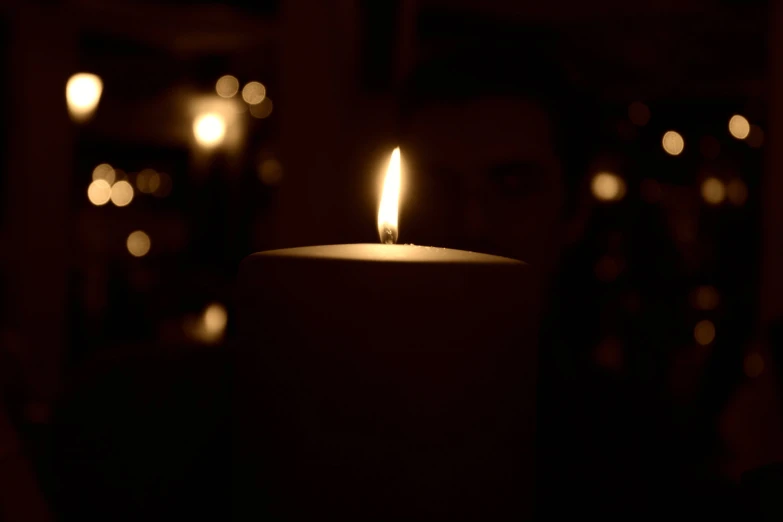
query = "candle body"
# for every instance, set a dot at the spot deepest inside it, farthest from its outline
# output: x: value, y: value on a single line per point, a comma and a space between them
x: 385, y: 382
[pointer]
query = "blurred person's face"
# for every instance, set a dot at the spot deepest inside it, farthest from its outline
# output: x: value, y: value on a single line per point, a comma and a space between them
x: 483, y: 176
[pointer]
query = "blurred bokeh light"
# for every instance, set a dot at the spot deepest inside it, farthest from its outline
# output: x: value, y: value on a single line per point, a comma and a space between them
x: 737, y: 192
x: 122, y: 193
x: 705, y: 298
x: 227, y: 86
x: 713, y: 191
x: 639, y: 114
x: 254, y: 93
x: 210, y: 326
x: 99, y: 192
x: 739, y: 127
x: 673, y: 143
x: 82, y: 94
x: 105, y: 172
x: 138, y: 243
x: 209, y: 130
x: 704, y: 332
x: 262, y: 109
x: 607, y: 187
x: 148, y: 181
x: 270, y: 172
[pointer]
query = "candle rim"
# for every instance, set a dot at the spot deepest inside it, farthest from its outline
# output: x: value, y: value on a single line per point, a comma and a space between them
x: 404, y: 253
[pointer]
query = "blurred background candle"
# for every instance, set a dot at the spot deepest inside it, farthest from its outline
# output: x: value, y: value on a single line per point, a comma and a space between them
x: 386, y: 382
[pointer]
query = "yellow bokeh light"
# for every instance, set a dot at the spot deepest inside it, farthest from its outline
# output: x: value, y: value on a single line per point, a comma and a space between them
x: 138, y: 243
x: 254, y: 93
x: 227, y: 86
x: 270, y: 172
x: 148, y: 181
x: 215, y: 318
x: 639, y: 114
x: 607, y: 187
x: 209, y: 129
x: 754, y: 365
x: 209, y: 326
x: 122, y: 193
x: 673, y: 143
x: 704, y: 332
x: 99, y: 192
x: 82, y: 94
x: 105, y: 172
x: 261, y: 110
x: 739, y: 127
x: 737, y: 192
x: 706, y: 298
x: 713, y: 191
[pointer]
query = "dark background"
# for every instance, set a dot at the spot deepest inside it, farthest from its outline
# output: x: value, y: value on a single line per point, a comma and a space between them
x: 80, y: 314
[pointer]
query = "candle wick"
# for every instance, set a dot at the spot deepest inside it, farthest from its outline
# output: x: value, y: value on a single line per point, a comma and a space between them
x: 388, y: 235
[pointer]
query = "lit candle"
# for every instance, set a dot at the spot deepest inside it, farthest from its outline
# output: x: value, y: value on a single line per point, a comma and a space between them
x: 384, y: 381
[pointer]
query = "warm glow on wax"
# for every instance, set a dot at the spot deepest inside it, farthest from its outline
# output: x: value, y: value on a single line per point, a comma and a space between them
x: 390, y: 201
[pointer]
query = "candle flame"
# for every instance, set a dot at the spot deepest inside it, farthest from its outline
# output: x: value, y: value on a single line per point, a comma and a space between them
x: 390, y: 201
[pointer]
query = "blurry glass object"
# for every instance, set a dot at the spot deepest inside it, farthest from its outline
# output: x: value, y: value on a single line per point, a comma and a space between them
x: 254, y: 93
x: 639, y: 114
x: 704, y: 332
x: 754, y: 365
x: 739, y: 127
x: 756, y: 137
x: 82, y: 94
x: 713, y: 191
x: 737, y: 192
x: 270, y: 172
x: 210, y: 326
x: 651, y: 191
x: 673, y: 143
x: 710, y: 147
x: 261, y: 110
x: 122, y: 193
x: 99, y: 192
x: 148, y: 181
x: 608, y: 187
x: 705, y: 298
x: 105, y: 172
x: 209, y: 130
x: 227, y: 86
x: 138, y: 243
x: 164, y: 187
